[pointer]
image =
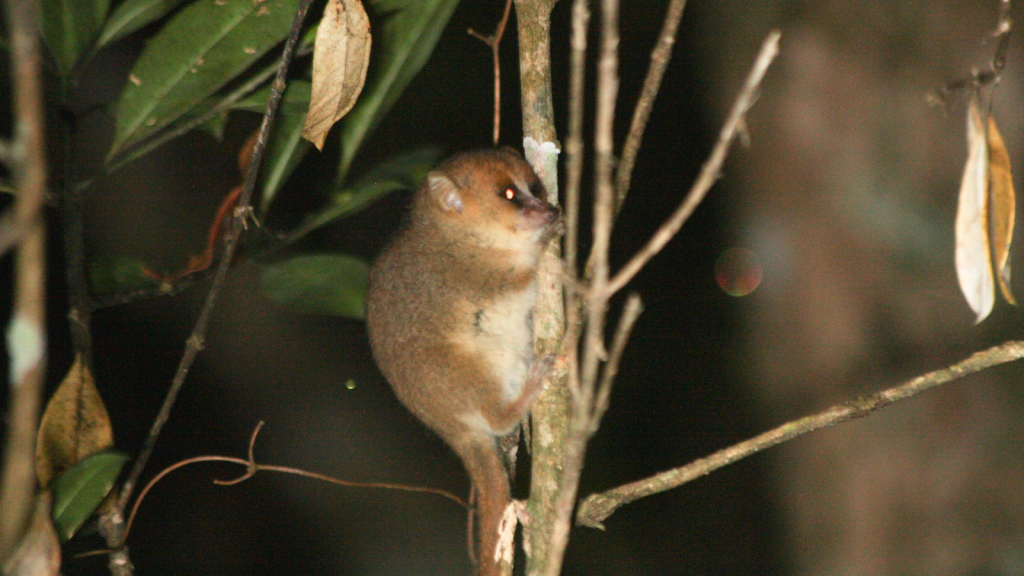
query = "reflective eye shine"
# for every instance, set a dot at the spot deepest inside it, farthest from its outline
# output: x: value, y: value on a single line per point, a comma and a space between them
x: 510, y: 193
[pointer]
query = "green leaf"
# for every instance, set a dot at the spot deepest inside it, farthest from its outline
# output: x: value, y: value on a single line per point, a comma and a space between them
x: 329, y: 284
x: 201, y: 49
x: 402, y: 172
x: 403, y: 41
x: 78, y: 491
x: 69, y: 27
x: 118, y: 274
x: 218, y: 103
x: 286, y: 147
x: 132, y: 15
x: 295, y: 98
x: 215, y: 126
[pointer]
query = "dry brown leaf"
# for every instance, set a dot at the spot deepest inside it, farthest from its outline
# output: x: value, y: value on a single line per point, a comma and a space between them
x: 1003, y: 208
x: 973, y: 264
x: 340, y: 59
x: 38, y: 553
x: 75, y: 425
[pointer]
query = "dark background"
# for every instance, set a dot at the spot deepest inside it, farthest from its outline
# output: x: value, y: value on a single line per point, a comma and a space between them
x: 685, y: 388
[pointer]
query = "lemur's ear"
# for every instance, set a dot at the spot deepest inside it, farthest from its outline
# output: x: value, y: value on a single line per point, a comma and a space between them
x: 444, y: 191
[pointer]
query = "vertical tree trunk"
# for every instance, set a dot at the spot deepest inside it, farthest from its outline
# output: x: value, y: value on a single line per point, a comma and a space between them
x: 551, y: 410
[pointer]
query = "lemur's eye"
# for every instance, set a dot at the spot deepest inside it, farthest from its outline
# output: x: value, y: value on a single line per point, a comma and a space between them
x: 513, y: 195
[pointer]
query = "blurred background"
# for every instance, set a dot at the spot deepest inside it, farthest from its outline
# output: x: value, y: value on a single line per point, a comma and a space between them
x: 842, y: 209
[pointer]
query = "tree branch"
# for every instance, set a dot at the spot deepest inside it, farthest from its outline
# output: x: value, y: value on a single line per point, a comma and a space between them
x: 660, y: 57
x: 709, y: 172
x: 550, y: 412
x: 604, y: 201
x: 72, y: 211
x: 26, y: 332
x: 634, y: 307
x: 25, y: 154
x: 574, y: 140
x: 161, y: 290
x: 574, y: 174
x: 597, y: 507
x: 252, y: 467
x: 596, y: 303
x: 1002, y: 36
x: 494, y: 41
x: 242, y: 213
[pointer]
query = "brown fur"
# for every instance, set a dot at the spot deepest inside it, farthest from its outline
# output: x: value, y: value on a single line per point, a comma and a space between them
x: 449, y: 313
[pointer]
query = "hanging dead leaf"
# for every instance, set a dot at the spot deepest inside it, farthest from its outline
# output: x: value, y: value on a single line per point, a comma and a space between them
x: 340, y: 59
x: 1003, y: 207
x: 973, y: 258
x: 74, y: 426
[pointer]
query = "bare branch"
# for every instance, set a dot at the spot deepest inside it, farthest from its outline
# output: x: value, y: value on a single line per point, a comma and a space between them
x: 161, y: 290
x: 980, y: 78
x: 660, y: 57
x: 252, y: 467
x: 574, y: 140
x: 26, y: 332
x: 709, y: 172
x: 604, y: 201
x: 494, y: 41
x: 574, y: 174
x: 25, y: 154
x: 72, y: 212
x: 597, y: 507
x: 1002, y: 36
x: 597, y: 303
x: 634, y: 307
x: 195, y: 341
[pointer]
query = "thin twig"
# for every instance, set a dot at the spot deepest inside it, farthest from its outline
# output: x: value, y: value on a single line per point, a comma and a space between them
x: 1002, y: 36
x: 163, y: 289
x: 574, y: 175
x: 597, y: 304
x: 494, y: 41
x: 26, y: 331
x: 709, y: 172
x: 597, y: 507
x: 198, y: 267
x: 981, y: 78
x: 660, y: 57
x: 72, y: 211
x: 604, y: 200
x: 634, y: 307
x: 198, y: 336
x: 252, y: 467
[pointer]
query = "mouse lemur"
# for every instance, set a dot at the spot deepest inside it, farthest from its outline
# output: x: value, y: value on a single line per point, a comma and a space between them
x: 449, y: 313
